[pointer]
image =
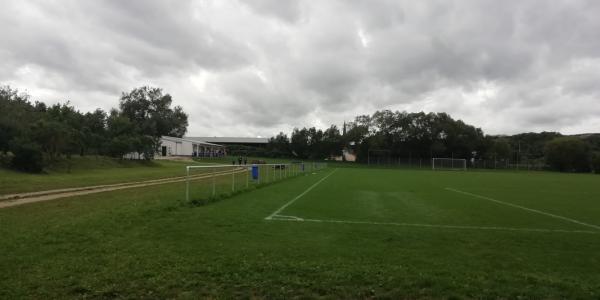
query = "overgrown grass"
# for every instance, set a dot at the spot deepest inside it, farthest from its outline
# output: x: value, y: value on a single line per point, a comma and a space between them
x: 142, y: 243
x: 90, y: 170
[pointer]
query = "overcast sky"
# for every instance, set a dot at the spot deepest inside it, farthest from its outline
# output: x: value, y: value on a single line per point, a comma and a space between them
x: 254, y: 68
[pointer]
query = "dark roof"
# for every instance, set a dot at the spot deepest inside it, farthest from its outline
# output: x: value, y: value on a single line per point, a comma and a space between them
x: 176, y: 139
x: 229, y: 140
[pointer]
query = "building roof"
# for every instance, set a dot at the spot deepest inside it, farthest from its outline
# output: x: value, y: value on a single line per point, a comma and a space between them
x: 176, y: 139
x: 230, y: 140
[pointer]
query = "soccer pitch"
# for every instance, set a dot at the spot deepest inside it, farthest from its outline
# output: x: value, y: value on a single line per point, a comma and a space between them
x: 335, y: 233
x: 450, y: 200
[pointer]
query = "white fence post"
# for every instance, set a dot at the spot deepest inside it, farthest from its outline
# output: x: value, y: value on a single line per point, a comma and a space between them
x: 213, y: 182
x: 187, y: 184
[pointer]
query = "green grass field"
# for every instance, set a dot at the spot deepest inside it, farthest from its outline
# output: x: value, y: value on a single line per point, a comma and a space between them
x: 337, y: 233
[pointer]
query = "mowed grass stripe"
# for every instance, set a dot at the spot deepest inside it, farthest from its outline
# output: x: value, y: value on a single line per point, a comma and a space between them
x: 525, y: 208
x: 299, y: 196
x: 435, y: 226
x: 412, y: 197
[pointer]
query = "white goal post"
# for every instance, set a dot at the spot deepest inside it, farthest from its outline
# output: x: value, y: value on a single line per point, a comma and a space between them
x: 449, y: 164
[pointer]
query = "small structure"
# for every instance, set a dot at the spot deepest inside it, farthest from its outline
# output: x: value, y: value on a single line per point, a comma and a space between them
x: 173, y: 146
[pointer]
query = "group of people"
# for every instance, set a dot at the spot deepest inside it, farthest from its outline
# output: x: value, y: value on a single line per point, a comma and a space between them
x: 240, y: 160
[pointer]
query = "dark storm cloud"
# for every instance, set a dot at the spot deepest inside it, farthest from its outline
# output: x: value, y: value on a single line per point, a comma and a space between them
x: 260, y: 66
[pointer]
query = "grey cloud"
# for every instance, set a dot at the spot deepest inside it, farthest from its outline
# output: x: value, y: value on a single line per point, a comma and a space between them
x: 507, y: 66
x: 89, y: 42
x: 287, y: 11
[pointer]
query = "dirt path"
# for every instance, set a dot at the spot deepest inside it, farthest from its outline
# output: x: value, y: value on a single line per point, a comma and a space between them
x: 24, y: 198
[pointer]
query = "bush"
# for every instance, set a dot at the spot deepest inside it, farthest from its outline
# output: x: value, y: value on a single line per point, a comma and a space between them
x: 28, y: 155
x: 5, y: 159
x: 596, y: 162
x: 568, y: 154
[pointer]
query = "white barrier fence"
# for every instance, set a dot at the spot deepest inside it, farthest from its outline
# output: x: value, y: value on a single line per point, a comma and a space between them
x: 205, y: 182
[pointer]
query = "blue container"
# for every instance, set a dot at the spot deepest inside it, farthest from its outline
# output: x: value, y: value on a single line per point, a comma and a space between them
x: 255, y: 172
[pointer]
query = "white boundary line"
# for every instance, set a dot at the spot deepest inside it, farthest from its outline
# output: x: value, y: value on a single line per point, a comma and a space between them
x: 297, y: 219
x: 525, y: 208
x: 275, y: 213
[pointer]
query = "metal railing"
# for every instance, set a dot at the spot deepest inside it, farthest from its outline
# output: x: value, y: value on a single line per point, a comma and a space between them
x: 204, y: 182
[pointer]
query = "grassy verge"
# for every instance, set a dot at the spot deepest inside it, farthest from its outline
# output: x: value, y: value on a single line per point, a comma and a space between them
x: 86, y: 171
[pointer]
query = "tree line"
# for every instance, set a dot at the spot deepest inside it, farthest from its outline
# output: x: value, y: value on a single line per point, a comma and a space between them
x: 32, y: 134
x: 420, y: 135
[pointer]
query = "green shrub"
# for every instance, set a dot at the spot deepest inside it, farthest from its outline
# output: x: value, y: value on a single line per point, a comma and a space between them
x: 568, y: 154
x: 5, y: 159
x: 596, y: 162
x: 28, y: 155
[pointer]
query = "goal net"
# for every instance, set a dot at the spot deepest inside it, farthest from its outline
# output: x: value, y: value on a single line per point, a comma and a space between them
x: 449, y: 164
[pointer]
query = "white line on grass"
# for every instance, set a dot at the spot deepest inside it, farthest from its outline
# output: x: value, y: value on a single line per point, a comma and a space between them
x: 284, y: 217
x: 525, y: 208
x: 297, y: 219
x: 275, y: 213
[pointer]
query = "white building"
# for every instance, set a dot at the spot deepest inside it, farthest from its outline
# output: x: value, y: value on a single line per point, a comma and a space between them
x: 172, y: 146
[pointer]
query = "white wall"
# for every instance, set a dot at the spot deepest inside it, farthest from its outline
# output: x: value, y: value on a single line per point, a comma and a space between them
x: 171, y: 147
x: 176, y: 148
x: 186, y: 148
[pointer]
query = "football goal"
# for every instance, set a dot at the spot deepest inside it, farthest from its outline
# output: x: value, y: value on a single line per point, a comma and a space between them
x: 449, y: 164
x: 209, y: 181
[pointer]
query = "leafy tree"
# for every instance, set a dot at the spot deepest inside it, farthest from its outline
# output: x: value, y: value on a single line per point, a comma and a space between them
x: 332, y: 140
x: 151, y: 113
x: 94, y: 131
x: 16, y: 115
x: 279, y: 146
x: 35, y: 130
x: 567, y: 154
x: 8, y: 130
x: 66, y: 118
x: 299, y: 143
x: 500, y: 149
x: 315, y: 143
x: 415, y: 135
x: 531, y: 144
x: 52, y: 136
x: 121, y: 132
